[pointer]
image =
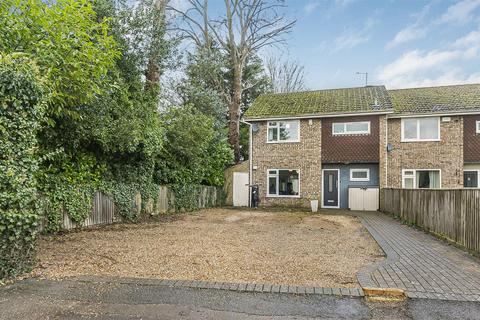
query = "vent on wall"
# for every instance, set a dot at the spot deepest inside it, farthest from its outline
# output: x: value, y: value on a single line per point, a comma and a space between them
x: 446, y: 119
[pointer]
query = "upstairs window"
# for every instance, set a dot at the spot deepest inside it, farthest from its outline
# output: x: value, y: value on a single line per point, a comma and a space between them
x: 478, y: 126
x: 283, y: 131
x: 421, y: 129
x: 342, y: 128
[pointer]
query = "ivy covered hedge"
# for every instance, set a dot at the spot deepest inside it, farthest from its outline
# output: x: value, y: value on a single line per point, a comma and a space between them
x: 17, y: 243
x: 21, y: 116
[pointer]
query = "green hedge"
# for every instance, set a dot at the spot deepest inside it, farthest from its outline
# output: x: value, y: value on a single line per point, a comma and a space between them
x: 17, y: 243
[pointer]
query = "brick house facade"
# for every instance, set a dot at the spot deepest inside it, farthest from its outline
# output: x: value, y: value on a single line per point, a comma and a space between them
x: 456, y: 150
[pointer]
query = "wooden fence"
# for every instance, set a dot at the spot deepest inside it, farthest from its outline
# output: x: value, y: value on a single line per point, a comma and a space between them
x: 104, y: 210
x: 453, y: 214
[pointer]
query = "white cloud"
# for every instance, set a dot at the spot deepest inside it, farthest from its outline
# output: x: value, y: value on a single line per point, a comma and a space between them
x: 343, y: 3
x: 352, y: 38
x: 311, y: 6
x: 460, y: 12
x: 434, y: 67
x: 414, y: 31
x: 450, y: 77
x: 470, y: 40
x: 407, y: 34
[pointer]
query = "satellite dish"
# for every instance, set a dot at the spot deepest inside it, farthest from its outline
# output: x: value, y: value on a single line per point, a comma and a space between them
x: 389, y: 147
x: 255, y: 128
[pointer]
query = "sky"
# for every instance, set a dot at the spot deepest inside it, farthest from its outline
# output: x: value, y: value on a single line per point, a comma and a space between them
x: 400, y: 43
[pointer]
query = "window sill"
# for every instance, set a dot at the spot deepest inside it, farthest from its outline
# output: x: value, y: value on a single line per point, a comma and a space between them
x: 290, y: 141
x: 359, y: 180
x: 421, y: 140
x: 274, y: 196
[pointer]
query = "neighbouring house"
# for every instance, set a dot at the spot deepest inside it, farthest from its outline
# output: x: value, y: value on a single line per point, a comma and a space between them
x: 329, y: 144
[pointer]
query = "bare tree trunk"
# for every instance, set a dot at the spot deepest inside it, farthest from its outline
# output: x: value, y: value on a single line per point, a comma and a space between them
x: 234, y: 112
x: 153, y: 70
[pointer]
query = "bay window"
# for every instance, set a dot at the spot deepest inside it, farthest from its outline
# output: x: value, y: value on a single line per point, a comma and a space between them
x: 283, y: 183
x: 283, y: 131
x: 421, y: 179
x: 421, y: 129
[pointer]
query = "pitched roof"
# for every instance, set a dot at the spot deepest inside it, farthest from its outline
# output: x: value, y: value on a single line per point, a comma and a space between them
x: 332, y: 101
x: 436, y: 99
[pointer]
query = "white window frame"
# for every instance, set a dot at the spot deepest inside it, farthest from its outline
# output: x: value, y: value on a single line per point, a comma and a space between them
x: 415, y: 177
x: 278, y: 184
x: 417, y: 139
x: 360, y: 170
x: 478, y: 127
x: 478, y: 177
x: 350, y: 132
x: 278, y: 131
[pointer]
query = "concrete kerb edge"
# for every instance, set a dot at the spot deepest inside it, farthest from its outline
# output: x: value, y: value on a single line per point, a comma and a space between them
x: 227, y: 286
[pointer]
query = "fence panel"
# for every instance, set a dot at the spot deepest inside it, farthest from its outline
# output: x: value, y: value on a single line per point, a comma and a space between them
x: 104, y: 211
x: 453, y: 214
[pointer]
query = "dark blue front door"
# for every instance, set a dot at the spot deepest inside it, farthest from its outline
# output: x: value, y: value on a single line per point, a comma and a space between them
x: 330, y: 188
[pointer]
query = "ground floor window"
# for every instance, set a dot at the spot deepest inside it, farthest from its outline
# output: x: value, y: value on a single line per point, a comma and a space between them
x: 359, y: 174
x: 470, y: 178
x: 283, y: 182
x: 421, y: 179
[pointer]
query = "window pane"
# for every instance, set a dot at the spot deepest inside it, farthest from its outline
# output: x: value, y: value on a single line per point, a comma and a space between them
x: 289, y: 130
x: 470, y: 179
x: 408, y: 173
x: 272, y: 185
x: 330, y: 183
x: 288, y: 182
x: 338, y: 128
x: 408, y: 183
x: 359, y: 174
x: 357, y: 127
x: 428, y: 179
x: 410, y: 128
x: 429, y: 128
x: 272, y: 134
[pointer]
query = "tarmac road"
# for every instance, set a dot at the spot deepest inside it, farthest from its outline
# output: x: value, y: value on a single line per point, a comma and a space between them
x: 80, y: 299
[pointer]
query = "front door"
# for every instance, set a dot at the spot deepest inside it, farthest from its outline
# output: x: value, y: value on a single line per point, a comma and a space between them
x: 330, y: 188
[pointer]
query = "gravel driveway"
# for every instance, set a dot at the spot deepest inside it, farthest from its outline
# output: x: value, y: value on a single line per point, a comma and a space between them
x: 218, y: 245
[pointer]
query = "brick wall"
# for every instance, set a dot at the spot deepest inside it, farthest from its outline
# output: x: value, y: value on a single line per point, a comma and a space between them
x: 304, y: 156
x: 471, y: 139
x: 446, y: 154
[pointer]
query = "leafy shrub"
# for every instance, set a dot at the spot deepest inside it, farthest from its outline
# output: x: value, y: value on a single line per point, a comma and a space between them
x: 21, y: 116
x: 17, y: 243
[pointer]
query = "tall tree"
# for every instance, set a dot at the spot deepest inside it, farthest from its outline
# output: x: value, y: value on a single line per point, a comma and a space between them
x: 247, y: 27
x: 285, y: 75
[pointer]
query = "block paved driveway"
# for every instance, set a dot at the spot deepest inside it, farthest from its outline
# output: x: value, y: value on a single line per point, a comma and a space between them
x: 418, y: 263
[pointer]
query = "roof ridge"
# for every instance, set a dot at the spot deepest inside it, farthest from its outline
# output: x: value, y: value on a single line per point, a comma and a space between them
x: 320, y: 90
x: 442, y: 86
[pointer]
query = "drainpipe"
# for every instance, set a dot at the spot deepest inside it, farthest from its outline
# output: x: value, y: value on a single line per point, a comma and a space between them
x: 386, y: 151
x: 250, y: 163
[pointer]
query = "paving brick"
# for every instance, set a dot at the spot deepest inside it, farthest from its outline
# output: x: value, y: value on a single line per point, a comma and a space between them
x: 420, y: 264
x: 309, y: 290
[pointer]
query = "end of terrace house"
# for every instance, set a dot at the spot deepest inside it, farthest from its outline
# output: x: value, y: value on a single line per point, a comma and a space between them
x: 318, y: 145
